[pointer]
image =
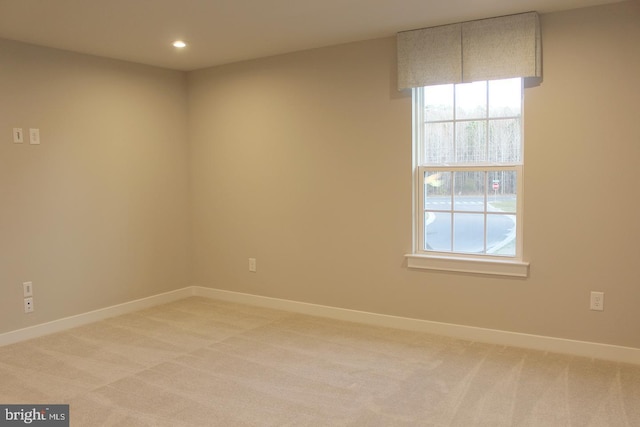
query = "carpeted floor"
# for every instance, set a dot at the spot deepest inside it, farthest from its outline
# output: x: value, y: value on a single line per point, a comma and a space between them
x: 201, y: 362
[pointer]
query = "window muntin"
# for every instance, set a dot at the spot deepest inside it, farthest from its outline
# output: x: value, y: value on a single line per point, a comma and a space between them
x: 469, y: 168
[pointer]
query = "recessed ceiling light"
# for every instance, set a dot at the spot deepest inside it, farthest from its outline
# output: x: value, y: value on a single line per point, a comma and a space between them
x: 179, y: 44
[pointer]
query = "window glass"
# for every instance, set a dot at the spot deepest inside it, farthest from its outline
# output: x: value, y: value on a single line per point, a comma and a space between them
x: 469, y: 167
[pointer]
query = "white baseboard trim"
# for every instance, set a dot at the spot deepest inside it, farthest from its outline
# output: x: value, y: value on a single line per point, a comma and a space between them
x: 470, y: 333
x: 93, y: 316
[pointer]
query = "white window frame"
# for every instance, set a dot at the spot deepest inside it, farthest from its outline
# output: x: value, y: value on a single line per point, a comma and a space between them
x: 453, y: 261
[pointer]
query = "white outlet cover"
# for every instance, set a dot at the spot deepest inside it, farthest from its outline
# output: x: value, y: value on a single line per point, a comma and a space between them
x: 597, y: 301
x: 28, y: 305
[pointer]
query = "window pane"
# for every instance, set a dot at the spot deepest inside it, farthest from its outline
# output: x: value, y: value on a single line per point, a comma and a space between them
x: 504, y: 141
x: 501, y: 234
x: 469, y: 191
x: 502, y: 191
x: 471, y: 142
x: 438, y: 146
x: 471, y: 100
x: 505, y: 98
x: 438, y: 102
x: 437, y: 191
x: 437, y: 231
x: 468, y: 232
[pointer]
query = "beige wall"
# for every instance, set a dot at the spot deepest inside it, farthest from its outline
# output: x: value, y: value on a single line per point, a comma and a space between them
x: 303, y: 161
x: 97, y: 214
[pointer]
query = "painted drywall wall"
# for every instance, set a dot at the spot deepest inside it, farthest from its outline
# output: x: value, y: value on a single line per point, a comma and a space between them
x: 303, y: 161
x: 97, y: 214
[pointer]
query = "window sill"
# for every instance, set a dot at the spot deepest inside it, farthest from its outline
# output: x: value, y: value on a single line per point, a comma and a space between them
x: 500, y: 267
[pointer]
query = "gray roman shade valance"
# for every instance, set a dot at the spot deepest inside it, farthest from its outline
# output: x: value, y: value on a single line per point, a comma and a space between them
x: 486, y: 49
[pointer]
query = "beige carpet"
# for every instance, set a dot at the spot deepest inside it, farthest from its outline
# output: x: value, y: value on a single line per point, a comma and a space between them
x: 200, y: 362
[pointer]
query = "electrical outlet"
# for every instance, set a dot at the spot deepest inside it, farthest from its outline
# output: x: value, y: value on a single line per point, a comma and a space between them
x: 28, y: 305
x: 27, y: 289
x: 252, y: 265
x: 597, y: 301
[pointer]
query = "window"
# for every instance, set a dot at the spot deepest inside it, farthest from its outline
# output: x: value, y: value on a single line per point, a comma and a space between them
x: 468, y: 159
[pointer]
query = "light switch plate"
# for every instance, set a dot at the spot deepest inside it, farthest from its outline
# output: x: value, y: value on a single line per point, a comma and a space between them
x: 27, y: 288
x: 34, y: 136
x: 18, y: 138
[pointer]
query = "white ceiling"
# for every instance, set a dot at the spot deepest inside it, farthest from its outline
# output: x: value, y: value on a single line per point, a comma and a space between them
x: 224, y: 31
